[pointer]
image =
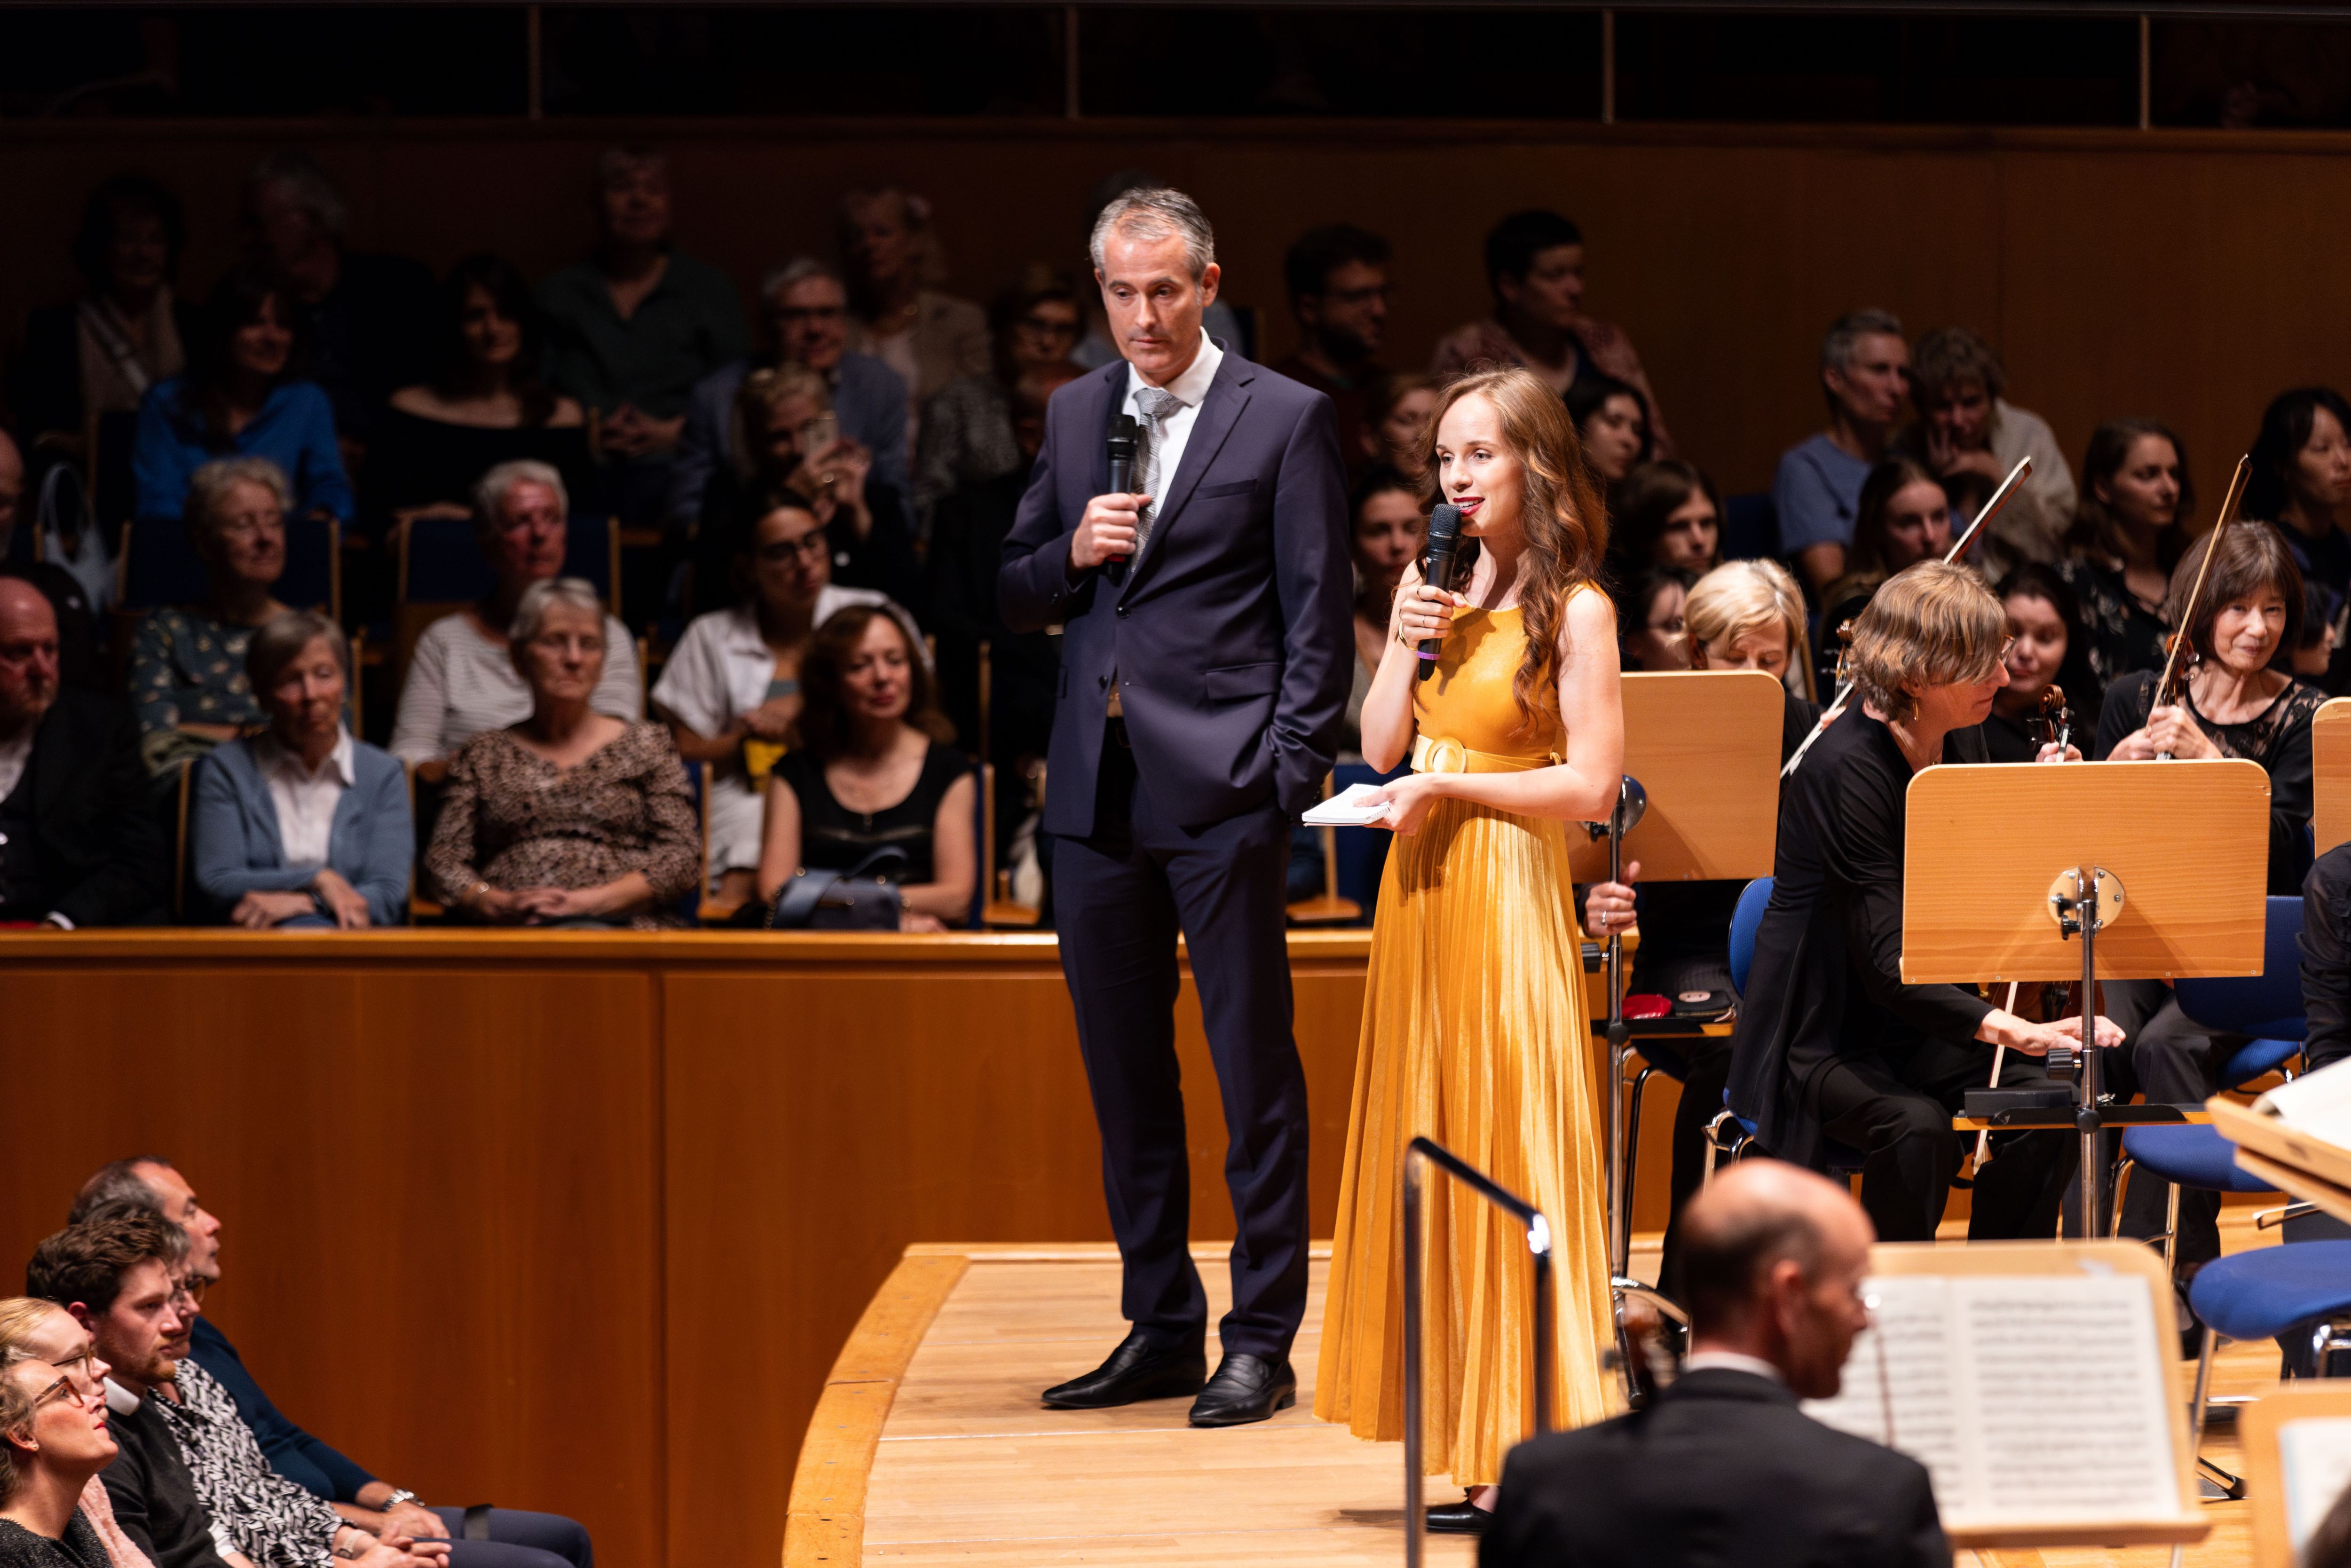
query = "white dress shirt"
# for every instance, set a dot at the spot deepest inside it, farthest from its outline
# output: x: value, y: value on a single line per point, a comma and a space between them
x: 1732, y: 1361
x: 1190, y: 389
x: 305, y: 798
x: 14, y: 755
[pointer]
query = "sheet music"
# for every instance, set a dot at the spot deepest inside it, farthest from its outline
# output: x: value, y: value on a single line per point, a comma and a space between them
x: 2318, y: 1103
x: 2314, y: 1459
x: 1350, y: 808
x: 1913, y: 1317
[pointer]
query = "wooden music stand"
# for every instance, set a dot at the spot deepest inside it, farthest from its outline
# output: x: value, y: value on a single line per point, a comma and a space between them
x: 2160, y: 867
x: 2261, y: 1427
x: 2330, y: 763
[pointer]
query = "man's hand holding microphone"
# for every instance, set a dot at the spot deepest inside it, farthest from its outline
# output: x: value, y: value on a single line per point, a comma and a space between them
x: 1106, y: 533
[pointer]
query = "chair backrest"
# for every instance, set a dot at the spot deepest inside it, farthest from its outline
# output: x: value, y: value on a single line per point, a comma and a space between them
x: 439, y: 569
x: 1750, y: 528
x: 2267, y: 1006
x: 1745, y: 920
x: 114, y: 488
x: 158, y: 566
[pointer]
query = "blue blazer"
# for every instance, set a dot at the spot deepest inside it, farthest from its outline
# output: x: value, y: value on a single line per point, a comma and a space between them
x: 233, y: 830
x: 1231, y: 633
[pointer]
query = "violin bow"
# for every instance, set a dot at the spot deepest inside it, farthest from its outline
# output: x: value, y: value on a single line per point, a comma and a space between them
x: 2167, y: 692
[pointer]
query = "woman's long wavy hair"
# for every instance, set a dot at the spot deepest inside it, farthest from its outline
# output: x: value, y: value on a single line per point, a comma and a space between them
x: 1566, y: 527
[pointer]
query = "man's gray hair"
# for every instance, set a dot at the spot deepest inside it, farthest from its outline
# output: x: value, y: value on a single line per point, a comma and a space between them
x: 118, y: 1181
x: 1157, y: 212
x: 1846, y: 333
x: 490, y: 493
x: 545, y: 595
x: 210, y: 486
x: 313, y: 189
x: 799, y: 270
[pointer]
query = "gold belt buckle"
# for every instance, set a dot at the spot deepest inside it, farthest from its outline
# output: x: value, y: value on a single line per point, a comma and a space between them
x: 1446, y: 755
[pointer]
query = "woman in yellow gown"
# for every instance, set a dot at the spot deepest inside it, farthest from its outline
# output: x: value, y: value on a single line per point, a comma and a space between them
x: 1475, y: 1031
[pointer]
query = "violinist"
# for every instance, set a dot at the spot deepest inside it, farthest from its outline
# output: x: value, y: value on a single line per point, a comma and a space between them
x: 1831, y: 1045
x: 2044, y: 650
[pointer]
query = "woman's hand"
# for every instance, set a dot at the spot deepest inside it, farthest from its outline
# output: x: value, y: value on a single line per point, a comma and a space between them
x: 342, y: 899
x: 2175, y: 730
x: 1421, y: 612
x: 1408, y: 800
x: 267, y: 911
x: 545, y: 905
x: 840, y: 471
x: 2053, y: 753
x: 773, y: 719
x: 1608, y: 906
x: 499, y: 905
x: 915, y: 921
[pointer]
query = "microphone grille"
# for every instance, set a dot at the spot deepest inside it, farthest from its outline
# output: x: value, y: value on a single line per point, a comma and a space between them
x: 1444, y: 523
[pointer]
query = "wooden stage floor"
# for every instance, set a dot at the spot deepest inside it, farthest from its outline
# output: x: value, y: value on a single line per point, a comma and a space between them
x: 930, y: 1445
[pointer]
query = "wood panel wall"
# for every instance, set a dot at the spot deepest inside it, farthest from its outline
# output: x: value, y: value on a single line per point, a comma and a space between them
x: 2190, y: 275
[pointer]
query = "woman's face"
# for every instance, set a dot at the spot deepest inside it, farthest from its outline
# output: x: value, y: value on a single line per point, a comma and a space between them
x: 1917, y: 525
x: 2322, y: 469
x: 1960, y: 411
x: 880, y: 243
x: 565, y: 657
x: 493, y: 339
x: 2036, y: 646
x: 69, y: 1423
x: 1043, y: 335
x: 1611, y: 434
x: 1389, y: 532
x: 1957, y: 704
x: 528, y: 543
x: 138, y: 255
x: 1476, y: 471
x: 1399, y: 434
x: 1764, y: 648
x: 877, y: 681
x: 1692, y: 533
x: 2246, y: 631
x: 306, y: 699
x: 786, y: 417
x: 260, y: 347
x: 2145, y: 492
x: 1659, y: 642
x: 246, y: 541
x: 792, y: 560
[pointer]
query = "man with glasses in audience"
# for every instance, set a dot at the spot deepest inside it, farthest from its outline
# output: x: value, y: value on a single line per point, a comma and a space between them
x: 499, y: 1538
x: 1337, y: 278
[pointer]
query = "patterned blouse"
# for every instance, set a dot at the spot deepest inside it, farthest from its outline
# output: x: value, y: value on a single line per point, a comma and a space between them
x: 514, y: 819
x: 188, y: 668
x: 272, y: 1520
x: 2123, y: 635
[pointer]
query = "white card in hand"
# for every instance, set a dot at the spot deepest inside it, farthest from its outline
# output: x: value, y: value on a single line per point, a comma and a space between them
x: 1350, y: 808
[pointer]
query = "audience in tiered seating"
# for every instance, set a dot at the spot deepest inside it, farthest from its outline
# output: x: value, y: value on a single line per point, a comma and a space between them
x: 54, y: 1511
x: 1612, y: 419
x: 1667, y: 513
x: 2129, y: 532
x: 897, y: 313
x: 70, y: 598
x: 967, y: 436
x: 301, y: 826
x: 1336, y: 277
x: 1903, y: 516
x: 1965, y: 425
x: 1865, y: 376
x: 2300, y: 478
x: 569, y: 817
x: 463, y: 679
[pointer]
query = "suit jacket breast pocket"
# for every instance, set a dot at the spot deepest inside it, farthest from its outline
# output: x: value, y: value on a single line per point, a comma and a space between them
x: 1216, y: 492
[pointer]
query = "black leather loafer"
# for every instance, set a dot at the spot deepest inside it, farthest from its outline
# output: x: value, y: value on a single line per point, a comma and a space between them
x: 1134, y: 1371
x: 1463, y: 1518
x: 1246, y: 1388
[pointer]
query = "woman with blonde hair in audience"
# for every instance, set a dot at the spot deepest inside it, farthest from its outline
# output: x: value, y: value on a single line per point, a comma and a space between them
x: 302, y: 825
x: 463, y: 680
x: 54, y: 1513
x: 1749, y: 615
x: 874, y: 771
x: 570, y: 817
x: 897, y: 314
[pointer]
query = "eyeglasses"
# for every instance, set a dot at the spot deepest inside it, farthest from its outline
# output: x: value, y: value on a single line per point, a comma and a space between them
x: 191, y: 1291
x: 82, y: 1371
x: 809, y: 546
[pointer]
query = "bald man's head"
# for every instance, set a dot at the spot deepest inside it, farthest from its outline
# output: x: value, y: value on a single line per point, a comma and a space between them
x: 29, y: 656
x: 1772, y: 1259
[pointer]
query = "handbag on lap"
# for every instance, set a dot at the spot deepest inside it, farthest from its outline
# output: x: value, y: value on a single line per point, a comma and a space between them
x: 863, y: 898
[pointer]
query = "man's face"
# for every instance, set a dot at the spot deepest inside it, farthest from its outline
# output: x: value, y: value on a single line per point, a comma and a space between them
x: 138, y: 1331
x: 1552, y: 290
x: 1960, y: 411
x: 180, y: 1207
x: 810, y: 322
x: 28, y: 654
x: 284, y: 230
x: 634, y: 202
x: 1155, y: 304
x: 1350, y: 317
x: 1870, y: 386
x: 1822, y: 1314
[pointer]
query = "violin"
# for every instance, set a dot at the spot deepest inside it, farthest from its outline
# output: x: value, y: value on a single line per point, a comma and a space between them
x: 2053, y: 725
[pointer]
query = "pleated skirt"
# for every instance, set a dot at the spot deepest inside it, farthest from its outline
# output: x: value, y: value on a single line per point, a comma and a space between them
x: 1475, y: 1035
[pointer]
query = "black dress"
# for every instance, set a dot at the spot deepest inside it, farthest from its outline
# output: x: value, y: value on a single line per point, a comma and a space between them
x: 2124, y: 636
x: 834, y: 838
x: 77, y: 1548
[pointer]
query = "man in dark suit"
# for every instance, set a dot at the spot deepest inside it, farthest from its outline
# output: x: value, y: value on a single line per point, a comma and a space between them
x: 79, y: 845
x: 1204, y: 669
x: 1724, y: 1468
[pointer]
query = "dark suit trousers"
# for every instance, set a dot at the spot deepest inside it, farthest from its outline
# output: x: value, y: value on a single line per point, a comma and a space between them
x: 1119, y: 898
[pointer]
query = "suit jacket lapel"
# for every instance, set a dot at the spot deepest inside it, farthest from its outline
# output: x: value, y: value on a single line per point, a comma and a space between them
x: 1219, y: 411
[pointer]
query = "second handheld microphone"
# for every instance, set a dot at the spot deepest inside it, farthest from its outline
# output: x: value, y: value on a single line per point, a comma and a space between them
x: 1437, y: 570
x: 1126, y: 440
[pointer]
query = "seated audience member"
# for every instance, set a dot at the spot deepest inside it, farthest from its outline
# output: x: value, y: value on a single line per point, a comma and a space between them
x: 1534, y: 264
x: 1612, y: 420
x: 69, y: 598
x: 1865, y: 370
x: 2300, y: 477
x: 1388, y: 534
x: 2126, y: 539
x: 187, y: 664
x: 731, y: 690
x: 367, y: 318
x: 967, y: 434
x: 301, y: 826
x: 1649, y: 606
x: 462, y: 679
x: 1397, y: 411
x: 1667, y: 514
x: 806, y: 316
x: 791, y: 447
x: 119, y: 1279
x: 80, y: 841
x: 516, y: 1539
x: 1337, y: 280
x: 1903, y: 517
x: 873, y: 770
x: 99, y: 354
x: 635, y: 325
x: 1965, y: 426
x: 239, y: 398
x: 896, y: 313
x: 54, y: 1441
x: 569, y: 817
x: 2043, y: 647
x: 484, y: 406
x: 1831, y: 1045
x: 1724, y: 1467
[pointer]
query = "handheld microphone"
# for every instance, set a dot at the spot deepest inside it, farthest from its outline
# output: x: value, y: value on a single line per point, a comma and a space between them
x: 1437, y: 570
x: 1126, y: 440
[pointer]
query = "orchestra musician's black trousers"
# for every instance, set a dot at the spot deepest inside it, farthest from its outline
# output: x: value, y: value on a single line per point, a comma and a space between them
x: 1119, y: 898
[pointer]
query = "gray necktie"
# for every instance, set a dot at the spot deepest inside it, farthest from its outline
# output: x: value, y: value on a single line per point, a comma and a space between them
x: 1154, y: 404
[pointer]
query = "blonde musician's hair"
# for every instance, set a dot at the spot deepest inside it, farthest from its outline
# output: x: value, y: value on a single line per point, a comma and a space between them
x: 1743, y: 596
x: 1931, y: 625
